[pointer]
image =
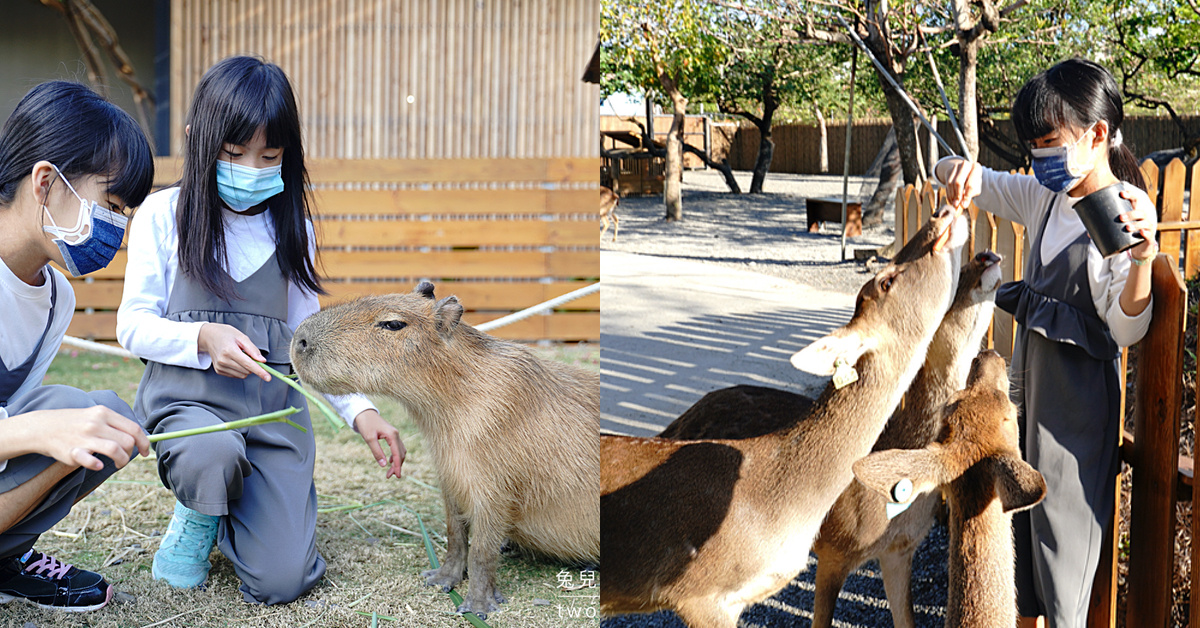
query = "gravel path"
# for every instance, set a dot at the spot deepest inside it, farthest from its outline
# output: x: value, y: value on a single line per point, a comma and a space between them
x: 767, y: 234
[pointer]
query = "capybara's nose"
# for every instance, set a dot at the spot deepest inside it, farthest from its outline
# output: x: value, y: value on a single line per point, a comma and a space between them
x: 299, y: 343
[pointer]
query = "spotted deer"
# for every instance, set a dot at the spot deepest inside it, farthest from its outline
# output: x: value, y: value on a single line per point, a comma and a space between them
x: 707, y: 527
x: 858, y: 527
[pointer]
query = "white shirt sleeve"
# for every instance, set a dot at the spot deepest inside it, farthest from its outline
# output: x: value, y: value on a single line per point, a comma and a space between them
x: 142, y: 326
x: 1016, y: 197
x: 3, y: 415
x: 301, y: 305
x: 1020, y: 198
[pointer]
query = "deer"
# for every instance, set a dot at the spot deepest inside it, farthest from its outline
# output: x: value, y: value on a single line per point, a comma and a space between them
x: 859, y: 527
x: 608, y: 211
x: 977, y: 465
x: 707, y: 527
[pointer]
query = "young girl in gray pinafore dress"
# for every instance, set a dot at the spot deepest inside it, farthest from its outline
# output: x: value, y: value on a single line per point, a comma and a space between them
x: 1074, y: 311
x: 220, y: 273
x: 69, y: 163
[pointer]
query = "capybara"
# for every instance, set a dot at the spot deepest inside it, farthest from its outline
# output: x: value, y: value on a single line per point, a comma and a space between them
x: 513, y: 437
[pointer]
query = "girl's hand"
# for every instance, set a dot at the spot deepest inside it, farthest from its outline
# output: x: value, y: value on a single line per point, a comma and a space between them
x: 373, y: 428
x: 1141, y: 220
x: 963, y: 183
x: 75, y: 436
x: 232, y: 352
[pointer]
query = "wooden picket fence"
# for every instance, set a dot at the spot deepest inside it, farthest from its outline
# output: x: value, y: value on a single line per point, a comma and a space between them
x: 501, y: 234
x: 1163, y: 477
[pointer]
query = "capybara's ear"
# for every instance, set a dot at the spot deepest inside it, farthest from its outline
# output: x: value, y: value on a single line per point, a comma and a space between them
x: 424, y: 289
x: 447, y: 313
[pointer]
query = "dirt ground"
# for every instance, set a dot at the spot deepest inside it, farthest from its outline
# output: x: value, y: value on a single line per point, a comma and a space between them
x: 367, y: 530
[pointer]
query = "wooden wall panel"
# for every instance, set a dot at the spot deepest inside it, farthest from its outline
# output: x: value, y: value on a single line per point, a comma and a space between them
x: 487, y: 78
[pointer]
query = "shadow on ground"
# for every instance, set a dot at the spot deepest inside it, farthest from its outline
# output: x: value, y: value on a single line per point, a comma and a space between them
x: 650, y: 379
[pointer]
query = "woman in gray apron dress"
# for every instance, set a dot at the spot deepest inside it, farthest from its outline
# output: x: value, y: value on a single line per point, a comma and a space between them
x: 1074, y: 310
x: 220, y: 273
x: 61, y: 200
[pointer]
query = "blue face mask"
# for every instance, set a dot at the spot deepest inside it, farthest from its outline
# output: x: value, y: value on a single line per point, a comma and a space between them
x: 1056, y: 168
x: 93, y: 242
x: 243, y: 187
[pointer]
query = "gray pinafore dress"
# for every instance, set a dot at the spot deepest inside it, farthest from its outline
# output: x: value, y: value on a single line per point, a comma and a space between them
x: 21, y: 537
x: 259, y: 480
x: 1066, y: 384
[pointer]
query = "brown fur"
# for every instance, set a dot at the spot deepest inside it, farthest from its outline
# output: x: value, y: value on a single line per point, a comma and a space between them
x: 708, y: 527
x: 513, y: 437
x: 978, y: 465
x: 857, y: 528
x: 608, y: 211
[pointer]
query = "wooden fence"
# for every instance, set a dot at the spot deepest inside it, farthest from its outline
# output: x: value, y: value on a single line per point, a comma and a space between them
x: 1163, y: 477
x: 503, y: 235
x: 796, y: 145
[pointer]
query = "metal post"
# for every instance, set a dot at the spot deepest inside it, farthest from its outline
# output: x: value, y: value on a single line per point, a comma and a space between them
x: 846, y: 157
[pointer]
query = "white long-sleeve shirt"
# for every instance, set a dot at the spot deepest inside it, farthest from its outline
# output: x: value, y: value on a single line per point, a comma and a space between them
x: 24, y: 310
x: 142, y: 327
x: 1021, y: 199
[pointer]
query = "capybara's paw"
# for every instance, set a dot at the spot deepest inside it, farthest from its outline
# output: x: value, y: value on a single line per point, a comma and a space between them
x: 441, y: 578
x: 483, y: 606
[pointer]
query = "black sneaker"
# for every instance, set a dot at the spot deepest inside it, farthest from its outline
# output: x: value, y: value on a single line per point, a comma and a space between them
x: 49, y: 583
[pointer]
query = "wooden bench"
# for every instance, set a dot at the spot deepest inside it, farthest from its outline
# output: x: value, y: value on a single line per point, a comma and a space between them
x: 829, y: 209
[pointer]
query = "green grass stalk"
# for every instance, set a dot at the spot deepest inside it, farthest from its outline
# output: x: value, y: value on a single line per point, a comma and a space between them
x: 454, y: 595
x: 279, y: 416
x: 334, y: 419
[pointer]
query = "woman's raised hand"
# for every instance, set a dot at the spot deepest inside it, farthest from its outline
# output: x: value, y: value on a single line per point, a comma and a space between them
x: 963, y: 181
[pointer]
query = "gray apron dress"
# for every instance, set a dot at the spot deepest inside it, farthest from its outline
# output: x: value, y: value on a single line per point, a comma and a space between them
x: 21, y: 537
x: 259, y: 480
x: 1066, y: 384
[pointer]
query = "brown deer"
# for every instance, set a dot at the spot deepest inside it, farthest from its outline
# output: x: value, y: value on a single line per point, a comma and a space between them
x: 858, y: 528
x: 608, y: 211
x: 512, y: 436
x: 708, y: 527
x: 978, y: 465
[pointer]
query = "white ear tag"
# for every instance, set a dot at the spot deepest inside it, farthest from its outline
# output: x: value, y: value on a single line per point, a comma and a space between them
x: 895, y: 509
x: 843, y: 373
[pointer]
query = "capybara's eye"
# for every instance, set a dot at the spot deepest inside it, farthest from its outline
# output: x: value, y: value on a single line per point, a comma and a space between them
x: 393, y: 325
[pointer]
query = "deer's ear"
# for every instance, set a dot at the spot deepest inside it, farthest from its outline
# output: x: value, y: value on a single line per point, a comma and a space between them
x: 901, y: 474
x: 820, y: 357
x: 1018, y: 485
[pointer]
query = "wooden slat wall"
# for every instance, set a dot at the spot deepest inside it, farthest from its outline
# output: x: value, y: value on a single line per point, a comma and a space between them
x: 487, y: 78
x: 503, y: 235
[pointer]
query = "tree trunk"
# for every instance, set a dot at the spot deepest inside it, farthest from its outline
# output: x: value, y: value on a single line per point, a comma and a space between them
x: 906, y: 134
x: 822, y: 143
x: 886, y: 166
x: 722, y: 166
x: 766, y: 150
x: 968, y: 61
x: 673, y: 177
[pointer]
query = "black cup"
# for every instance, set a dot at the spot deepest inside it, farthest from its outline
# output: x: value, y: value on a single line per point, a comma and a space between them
x: 1099, y: 212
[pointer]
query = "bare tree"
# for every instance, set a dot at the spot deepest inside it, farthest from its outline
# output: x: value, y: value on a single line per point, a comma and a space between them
x: 86, y: 22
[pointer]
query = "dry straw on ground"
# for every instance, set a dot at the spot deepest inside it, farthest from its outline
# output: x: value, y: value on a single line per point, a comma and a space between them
x: 367, y: 531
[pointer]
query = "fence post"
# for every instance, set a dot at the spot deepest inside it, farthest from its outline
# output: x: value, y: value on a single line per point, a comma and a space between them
x: 1158, y: 396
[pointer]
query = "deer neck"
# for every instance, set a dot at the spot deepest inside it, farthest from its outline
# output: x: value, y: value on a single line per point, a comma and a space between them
x: 919, y: 420
x: 981, y: 558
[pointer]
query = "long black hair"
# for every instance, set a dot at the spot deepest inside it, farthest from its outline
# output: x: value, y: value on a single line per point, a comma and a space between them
x: 235, y: 98
x: 1076, y: 93
x: 83, y: 134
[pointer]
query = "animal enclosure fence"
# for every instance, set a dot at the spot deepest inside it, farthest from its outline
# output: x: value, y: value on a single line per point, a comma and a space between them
x: 502, y: 235
x: 1163, y: 477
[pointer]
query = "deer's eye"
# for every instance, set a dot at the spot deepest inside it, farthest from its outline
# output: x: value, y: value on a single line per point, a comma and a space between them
x: 885, y: 283
x: 392, y: 325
